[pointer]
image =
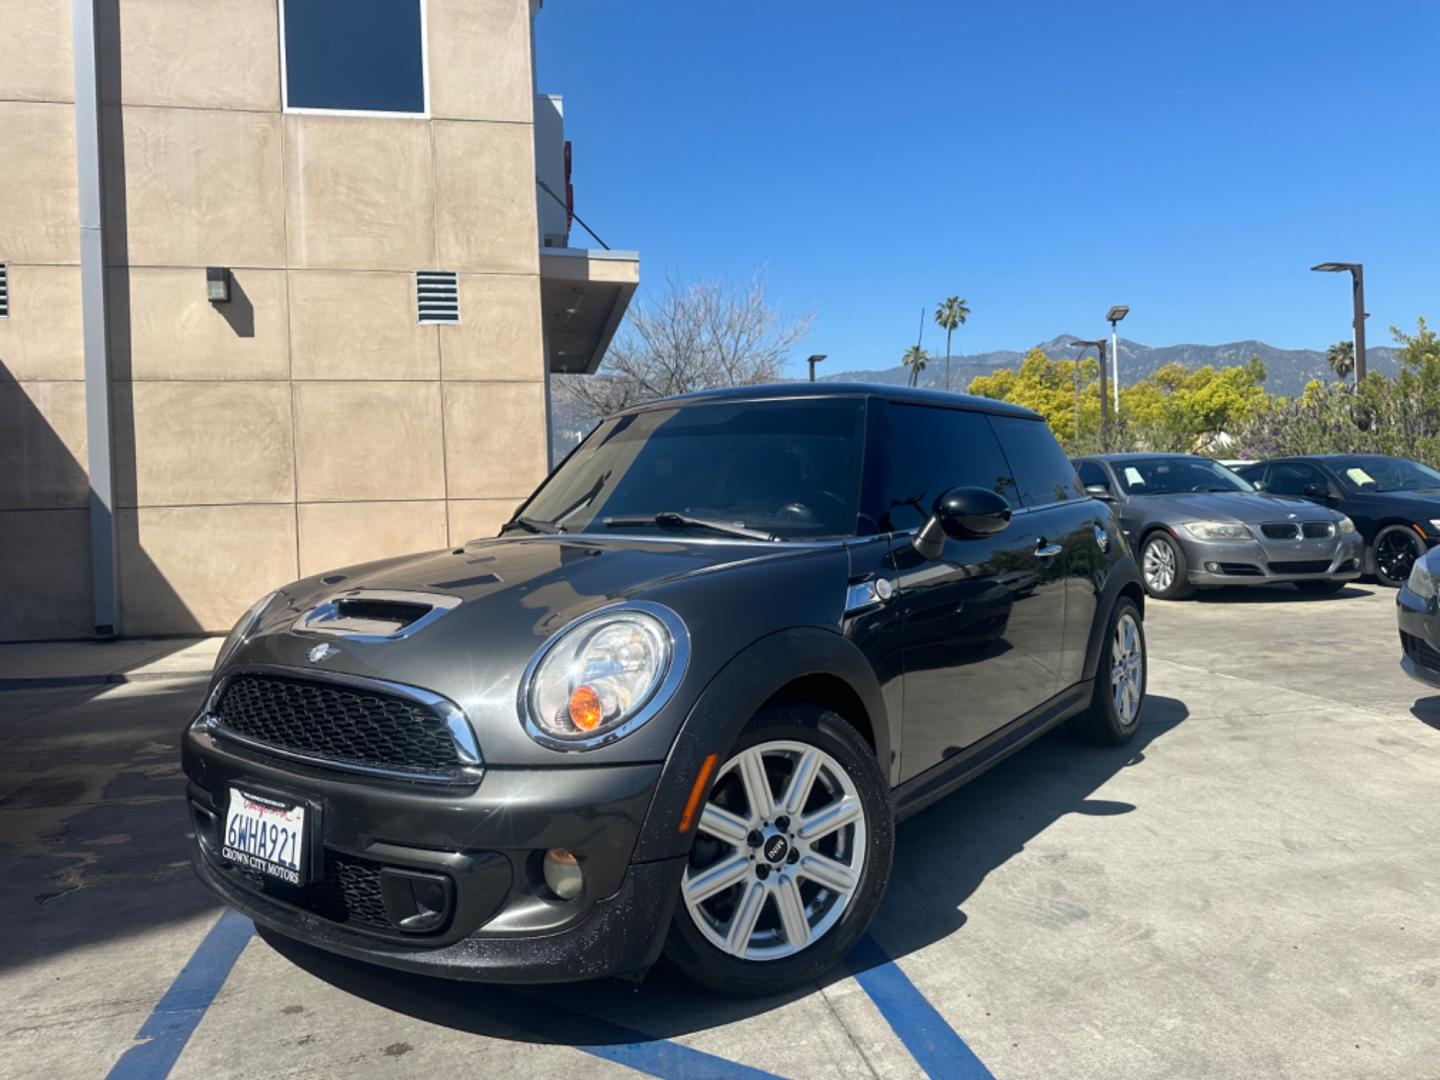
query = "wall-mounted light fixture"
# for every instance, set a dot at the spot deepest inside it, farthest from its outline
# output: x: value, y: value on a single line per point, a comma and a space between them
x: 217, y: 284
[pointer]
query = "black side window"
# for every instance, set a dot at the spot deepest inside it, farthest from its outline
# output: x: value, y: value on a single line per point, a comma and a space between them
x: 1292, y: 478
x: 926, y: 452
x: 1092, y: 475
x: 1043, y: 472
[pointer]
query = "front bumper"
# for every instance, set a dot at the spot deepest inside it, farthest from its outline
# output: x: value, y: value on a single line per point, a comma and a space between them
x: 1419, y: 637
x: 1263, y: 562
x: 486, y: 842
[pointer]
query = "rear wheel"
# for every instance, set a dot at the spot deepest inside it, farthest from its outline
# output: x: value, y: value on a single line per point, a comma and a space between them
x: 1163, y: 568
x: 1393, y: 554
x: 1120, y: 679
x: 791, y: 856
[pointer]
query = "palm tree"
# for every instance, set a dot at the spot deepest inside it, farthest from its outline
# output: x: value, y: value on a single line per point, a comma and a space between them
x: 915, y: 359
x: 951, y: 313
x: 1341, y: 358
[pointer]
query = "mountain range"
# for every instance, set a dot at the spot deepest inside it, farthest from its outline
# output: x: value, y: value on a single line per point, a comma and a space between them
x: 1287, y: 370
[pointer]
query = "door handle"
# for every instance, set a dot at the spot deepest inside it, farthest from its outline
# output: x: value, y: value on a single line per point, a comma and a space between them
x: 1046, y: 551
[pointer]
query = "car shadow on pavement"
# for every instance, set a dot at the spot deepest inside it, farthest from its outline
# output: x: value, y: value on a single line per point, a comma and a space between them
x: 1427, y: 711
x: 942, y: 856
x: 1279, y: 593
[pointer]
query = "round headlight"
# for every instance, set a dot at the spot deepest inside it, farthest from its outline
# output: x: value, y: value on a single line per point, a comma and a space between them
x: 598, y: 675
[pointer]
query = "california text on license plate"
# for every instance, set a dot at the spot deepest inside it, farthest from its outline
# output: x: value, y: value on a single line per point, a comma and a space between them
x: 266, y: 835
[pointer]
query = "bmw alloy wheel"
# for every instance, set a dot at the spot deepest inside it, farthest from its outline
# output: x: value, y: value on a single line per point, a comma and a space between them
x: 773, y: 873
x: 1127, y: 670
x: 1158, y: 566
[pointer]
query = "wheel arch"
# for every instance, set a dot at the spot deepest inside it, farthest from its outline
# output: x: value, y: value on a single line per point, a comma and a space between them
x: 1123, y: 582
x: 809, y: 664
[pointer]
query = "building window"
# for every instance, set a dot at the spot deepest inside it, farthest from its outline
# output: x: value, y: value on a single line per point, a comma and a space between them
x: 354, y: 56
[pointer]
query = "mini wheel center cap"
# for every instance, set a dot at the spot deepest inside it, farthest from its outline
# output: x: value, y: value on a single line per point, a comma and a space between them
x: 776, y: 848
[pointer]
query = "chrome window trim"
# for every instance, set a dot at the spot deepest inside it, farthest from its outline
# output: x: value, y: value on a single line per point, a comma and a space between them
x: 676, y: 665
x: 467, y: 748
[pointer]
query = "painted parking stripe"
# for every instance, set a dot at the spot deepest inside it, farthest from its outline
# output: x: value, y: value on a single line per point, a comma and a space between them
x: 163, y: 1036
x: 931, y: 1041
x: 174, y: 1017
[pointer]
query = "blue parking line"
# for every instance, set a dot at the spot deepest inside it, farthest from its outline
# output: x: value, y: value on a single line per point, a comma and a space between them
x: 176, y: 1015
x: 931, y: 1041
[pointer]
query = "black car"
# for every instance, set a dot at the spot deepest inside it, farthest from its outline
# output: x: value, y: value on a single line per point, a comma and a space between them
x: 679, y: 703
x: 1418, y: 609
x: 1394, y: 502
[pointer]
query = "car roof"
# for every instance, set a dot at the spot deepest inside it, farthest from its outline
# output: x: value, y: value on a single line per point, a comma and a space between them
x: 1140, y: 455
x: 903, y: 394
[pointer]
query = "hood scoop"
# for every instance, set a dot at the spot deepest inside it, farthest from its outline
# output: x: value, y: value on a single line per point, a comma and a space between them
x: 375, y: 614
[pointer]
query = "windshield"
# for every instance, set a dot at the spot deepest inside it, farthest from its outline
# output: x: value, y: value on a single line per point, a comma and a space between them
x: 1373, y: 473
x: 787, y: 468
x: 1172, y: 475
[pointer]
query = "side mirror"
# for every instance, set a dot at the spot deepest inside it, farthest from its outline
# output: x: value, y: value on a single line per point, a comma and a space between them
x: 1317, y: 491
x: 962, y: 513
x: 1100, y: 491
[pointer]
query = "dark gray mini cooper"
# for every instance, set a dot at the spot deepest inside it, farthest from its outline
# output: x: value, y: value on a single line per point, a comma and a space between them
x: 679, y: 704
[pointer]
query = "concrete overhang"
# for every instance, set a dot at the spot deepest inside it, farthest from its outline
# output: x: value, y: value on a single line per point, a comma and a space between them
x: 583, y: 297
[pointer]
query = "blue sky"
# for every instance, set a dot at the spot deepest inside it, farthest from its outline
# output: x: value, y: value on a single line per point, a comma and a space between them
x: 1042, y: 159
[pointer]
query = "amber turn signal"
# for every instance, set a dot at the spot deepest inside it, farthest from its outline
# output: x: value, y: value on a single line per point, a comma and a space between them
x: 586, y: 712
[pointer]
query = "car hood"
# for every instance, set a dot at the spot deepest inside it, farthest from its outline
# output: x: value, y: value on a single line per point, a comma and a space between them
x: 1249, y: 508
x: 503, y: 598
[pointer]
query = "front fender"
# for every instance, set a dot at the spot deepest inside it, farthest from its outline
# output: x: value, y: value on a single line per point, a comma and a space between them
x: 733, y: 696
x: 1121, y: 577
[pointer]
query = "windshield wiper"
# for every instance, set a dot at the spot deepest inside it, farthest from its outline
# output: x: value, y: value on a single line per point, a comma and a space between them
x: 670, y: 517
x: 534, y: 525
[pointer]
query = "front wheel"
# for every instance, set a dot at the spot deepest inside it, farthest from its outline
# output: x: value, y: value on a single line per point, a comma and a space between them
x: 1163, y: 568
x: 791, y: 856
x: 1394, y: 553
x: 1120, y: 679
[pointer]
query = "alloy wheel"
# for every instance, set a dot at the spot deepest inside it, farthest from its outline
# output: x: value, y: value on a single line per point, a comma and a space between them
x: 1395, y: 555
x: 779, y: 851
x: 1158, y: 566
x: 1127, y: 670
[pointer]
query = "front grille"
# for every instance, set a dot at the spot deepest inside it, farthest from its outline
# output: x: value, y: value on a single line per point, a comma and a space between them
x: 1310, y: 566
x: 349, y: 892
x: 1282, y: 530
x: 1318, y: 530
x: 1420, y: 650
x: 339, y: 724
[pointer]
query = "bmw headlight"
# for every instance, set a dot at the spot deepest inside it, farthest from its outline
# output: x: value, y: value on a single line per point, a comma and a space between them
x: 603, y: 676
x: 1217, y: 530
x: 1346, y: 527
x: 243, y: 628
x: 1422, y: 581
x: 1435, y: 526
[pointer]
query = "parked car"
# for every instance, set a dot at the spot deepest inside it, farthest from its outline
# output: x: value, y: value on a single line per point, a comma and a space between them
x: 1394, y: 502
x: 1196, y: 523
x: 679, y: 703
x: 1419, y: 614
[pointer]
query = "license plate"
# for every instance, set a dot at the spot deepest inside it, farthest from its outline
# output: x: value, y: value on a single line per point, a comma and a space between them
x: 265, y: 834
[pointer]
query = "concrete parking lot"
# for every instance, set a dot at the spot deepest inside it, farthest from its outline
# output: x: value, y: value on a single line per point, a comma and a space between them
x: 1252, y: 888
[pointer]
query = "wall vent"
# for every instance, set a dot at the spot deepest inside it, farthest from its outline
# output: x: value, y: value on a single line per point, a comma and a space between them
x: 4, y: 290
x: 437, y: 297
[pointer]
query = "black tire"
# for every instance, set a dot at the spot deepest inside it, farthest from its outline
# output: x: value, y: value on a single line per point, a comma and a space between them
x: 1102, y: 723
x: 1165, y: 546
x: 1393, y: 553
x: 1320, y: 588
x: 714, y: 969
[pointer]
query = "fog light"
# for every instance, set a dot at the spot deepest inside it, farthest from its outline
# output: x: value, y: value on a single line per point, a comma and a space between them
x: 562, y: 873
x: 1213, y: 567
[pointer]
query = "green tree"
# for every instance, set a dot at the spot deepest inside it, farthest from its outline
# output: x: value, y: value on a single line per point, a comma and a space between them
x: 1341, y: 358
x: 951, y: 314
x: 1419, y: 349
x: 915, y: 359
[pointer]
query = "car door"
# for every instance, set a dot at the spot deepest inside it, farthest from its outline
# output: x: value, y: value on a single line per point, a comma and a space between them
x: 982, y: 625
x: 1298, y: 479
x: 1048, y: 482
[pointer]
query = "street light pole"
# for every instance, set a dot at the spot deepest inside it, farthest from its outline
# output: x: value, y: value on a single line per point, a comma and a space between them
x: 1113, y: 316
x: 1357, y: 296
x: 1099, y: 345
x: 813, y: 361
